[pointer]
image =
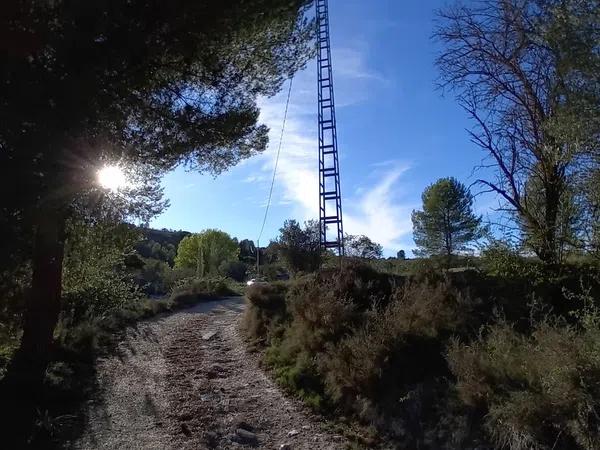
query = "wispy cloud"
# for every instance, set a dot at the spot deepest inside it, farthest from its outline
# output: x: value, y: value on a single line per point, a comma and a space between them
x: 255, y: 179
x: 350, y: 63
x: 379, y: 211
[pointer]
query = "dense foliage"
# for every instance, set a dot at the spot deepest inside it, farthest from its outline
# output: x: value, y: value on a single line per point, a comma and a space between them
x: 205, y: 252
x: 440, y: 360
x: 299, y: 248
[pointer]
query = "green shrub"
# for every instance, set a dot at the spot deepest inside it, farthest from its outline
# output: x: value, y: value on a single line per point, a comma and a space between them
x: 501, y: 260
x: 85, y: 339
x: 400, y: 344
x: 96, y: 300
x: 155, y: 277
x: 9, y: 341
x: 265, y: 311
x: 375, y: 346
x: 188, y: 291
x: 273, y: 272
x: 298, y: 375
x: 270, y: 296
x: 539, y: 391
x: 367, y: 343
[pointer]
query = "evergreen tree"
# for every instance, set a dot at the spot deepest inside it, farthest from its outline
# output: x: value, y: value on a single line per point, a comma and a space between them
x: 298, y: 247
x: 447, y: 224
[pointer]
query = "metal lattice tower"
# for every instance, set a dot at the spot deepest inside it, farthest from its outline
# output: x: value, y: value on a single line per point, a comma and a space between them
x: 330, y: 196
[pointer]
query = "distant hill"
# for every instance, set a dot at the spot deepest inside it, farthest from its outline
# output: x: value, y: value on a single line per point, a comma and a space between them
x: 160, y: 244
x: 164, y: 236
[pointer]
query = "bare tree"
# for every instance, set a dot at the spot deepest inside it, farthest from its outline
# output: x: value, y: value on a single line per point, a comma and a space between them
x: 525, y: 71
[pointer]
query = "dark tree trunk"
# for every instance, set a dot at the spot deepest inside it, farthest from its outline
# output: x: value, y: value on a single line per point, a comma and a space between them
x: 553, y: 192
x: 23, y: 385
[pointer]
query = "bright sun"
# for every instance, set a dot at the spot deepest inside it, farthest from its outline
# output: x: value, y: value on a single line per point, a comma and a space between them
x: 112, y: 177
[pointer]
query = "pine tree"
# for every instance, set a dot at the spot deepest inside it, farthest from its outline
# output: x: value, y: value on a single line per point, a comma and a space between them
x: 447, y: 224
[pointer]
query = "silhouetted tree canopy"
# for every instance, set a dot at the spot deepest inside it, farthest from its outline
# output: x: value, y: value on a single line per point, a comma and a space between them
x: 146, y: 84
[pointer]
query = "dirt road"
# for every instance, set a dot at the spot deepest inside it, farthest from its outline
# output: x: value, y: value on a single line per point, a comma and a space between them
x: 186, y: 381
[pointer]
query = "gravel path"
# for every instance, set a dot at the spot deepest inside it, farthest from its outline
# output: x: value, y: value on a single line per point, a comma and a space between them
x: 186, y: 381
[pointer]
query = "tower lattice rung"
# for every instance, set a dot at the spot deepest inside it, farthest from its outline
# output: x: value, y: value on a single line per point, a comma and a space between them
x: 330, y: 197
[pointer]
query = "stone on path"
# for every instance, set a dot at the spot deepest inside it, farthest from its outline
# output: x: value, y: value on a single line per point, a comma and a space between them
x: 244, y: 437
x: 209, y: 335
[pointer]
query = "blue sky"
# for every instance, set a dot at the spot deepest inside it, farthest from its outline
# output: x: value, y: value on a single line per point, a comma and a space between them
x: 397, y: 134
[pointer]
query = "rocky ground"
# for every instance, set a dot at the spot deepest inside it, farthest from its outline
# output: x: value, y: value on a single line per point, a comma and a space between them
x: 186, y: 381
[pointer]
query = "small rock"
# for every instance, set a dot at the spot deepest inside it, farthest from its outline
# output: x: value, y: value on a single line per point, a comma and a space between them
x: 285, y: 447
x: 293, y: 433
x: 209, y: 335
x: 242, y: 436
x: 185, y: 429
x: 306, y: 427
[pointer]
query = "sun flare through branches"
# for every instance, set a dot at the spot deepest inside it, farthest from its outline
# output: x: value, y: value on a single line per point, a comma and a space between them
x: 112, y: 177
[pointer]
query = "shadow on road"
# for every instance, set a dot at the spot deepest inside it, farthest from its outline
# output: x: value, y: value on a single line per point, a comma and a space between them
x: 225, y: 304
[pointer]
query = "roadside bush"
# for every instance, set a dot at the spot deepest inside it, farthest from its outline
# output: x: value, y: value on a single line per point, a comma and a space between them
x: 368, y: 343
x: 155, y: 277
x: 399, y: 346
x: 97, y: 299
x: 429, y: 360
x: 265, y: 311
x: 84, y: 339
x: 269, y: 296
x: 9, y: 340
x: 539, y: 391
x: 274, y: 272
x: 298, y: 374
x: 501, y: 260
x: 12, y: 301
x: 190, y: 290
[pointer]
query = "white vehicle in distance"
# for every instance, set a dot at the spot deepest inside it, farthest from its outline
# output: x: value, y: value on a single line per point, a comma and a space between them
x: 255, y: 281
